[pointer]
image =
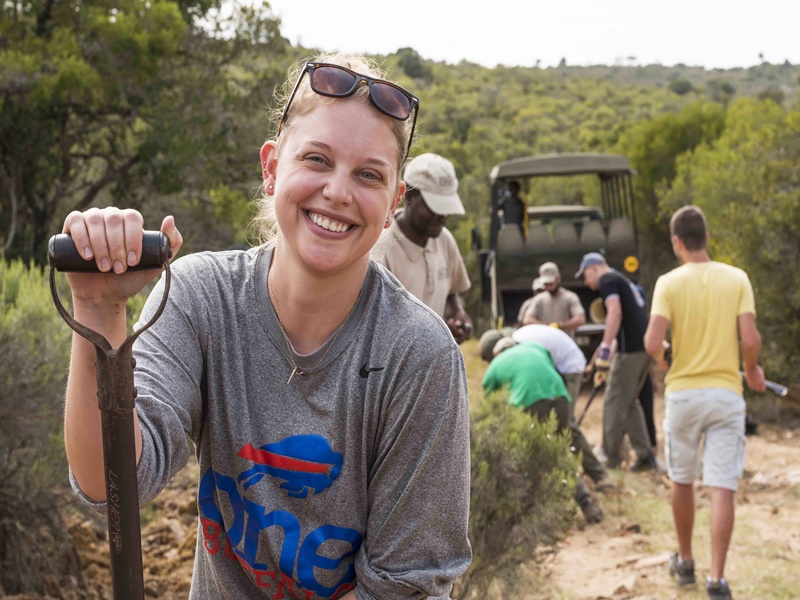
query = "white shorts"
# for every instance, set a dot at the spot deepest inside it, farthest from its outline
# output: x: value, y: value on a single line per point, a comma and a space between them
x: 716, y: 414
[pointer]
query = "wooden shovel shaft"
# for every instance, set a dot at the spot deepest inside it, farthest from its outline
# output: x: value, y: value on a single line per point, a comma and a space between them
x: 116, y: 396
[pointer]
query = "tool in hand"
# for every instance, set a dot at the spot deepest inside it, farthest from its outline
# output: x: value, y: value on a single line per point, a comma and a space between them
x: 602, y: 365
x: 116, y: 398
x: 595, y: 390
x: 776, y: 388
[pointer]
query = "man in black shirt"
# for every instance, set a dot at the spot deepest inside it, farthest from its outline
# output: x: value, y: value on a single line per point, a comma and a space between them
x: 626, y: 321
x: 513, y: 208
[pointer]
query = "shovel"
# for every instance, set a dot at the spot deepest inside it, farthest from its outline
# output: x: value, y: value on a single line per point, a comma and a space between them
x: 594, y: 393
x: 116, y: 399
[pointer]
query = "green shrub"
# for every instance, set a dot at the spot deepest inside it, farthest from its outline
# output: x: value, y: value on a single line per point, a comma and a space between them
x: 34, y: 342
x: 36, y: 554
x: 523, y: 483
x: 681, y: 86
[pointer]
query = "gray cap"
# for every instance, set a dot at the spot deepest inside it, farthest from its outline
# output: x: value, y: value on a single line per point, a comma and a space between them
x: 487, y: 342
x: 549, y: 272
x: 503, y: 344
x: 592, y: 258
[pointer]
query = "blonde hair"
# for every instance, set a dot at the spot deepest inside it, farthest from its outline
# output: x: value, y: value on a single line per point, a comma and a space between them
x: 265, y: 224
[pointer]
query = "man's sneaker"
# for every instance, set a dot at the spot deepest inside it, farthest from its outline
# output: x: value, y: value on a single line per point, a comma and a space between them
x: 591, y: 509
x: 647, y: 463
x: 718, y: 590
x: 603, y: 484
x: 599, y: 454
x: 682, y: 571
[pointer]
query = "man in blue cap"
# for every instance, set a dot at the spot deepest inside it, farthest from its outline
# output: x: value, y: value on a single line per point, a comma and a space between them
x: 626, y: 321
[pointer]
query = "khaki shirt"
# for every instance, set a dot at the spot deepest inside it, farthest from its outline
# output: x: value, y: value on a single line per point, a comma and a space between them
x: 547, y: 309
x: 431, y: 273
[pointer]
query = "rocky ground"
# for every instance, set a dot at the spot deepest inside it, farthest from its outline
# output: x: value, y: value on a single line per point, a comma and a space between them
x: 169, y: 534
x: 624, y: 557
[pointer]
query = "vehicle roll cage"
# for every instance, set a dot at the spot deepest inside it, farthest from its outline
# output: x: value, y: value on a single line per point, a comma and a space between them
x: 614, y: 172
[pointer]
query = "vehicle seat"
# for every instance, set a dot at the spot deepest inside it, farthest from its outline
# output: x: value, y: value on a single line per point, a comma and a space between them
x: 620, y: 233
x: 565, y: 236
x: 538, y: 238
x: 593, y: 237
x: 509, y: 239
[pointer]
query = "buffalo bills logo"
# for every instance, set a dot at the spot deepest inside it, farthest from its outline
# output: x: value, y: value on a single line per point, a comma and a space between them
x: 304, y: 462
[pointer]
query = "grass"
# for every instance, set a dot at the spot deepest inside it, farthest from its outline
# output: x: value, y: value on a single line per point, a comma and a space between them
x: 476, y: 367
x: 761, y: 562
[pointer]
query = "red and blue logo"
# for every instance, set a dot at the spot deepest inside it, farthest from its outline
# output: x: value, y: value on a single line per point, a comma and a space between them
x: 304, y: 464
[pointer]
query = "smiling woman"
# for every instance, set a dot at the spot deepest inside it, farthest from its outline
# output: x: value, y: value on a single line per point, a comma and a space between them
x: 328, y: 408
x: 329, y: 83
x: 335, y: 185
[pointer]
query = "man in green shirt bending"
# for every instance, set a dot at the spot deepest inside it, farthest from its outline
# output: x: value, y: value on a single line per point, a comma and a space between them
x: 536, y: 387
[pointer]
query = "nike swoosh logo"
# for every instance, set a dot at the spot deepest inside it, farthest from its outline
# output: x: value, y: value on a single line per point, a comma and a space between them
x: 365, y: 370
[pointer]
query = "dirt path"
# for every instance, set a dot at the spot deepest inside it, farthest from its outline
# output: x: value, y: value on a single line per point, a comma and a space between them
x: 625, y: 556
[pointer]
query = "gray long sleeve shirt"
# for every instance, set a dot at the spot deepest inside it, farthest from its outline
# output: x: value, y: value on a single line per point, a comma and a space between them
x: 354, y: 475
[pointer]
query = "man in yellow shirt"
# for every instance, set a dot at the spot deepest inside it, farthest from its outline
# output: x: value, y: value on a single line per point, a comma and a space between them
x: 710, y: 309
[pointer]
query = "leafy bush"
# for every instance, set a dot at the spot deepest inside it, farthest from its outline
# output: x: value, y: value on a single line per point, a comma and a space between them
x: 523, y: 484
x: 681, y: 86
x: 36, y: 554
x: 746, y: 183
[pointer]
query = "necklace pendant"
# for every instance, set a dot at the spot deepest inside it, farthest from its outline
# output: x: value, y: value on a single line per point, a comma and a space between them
x: 295, y: 371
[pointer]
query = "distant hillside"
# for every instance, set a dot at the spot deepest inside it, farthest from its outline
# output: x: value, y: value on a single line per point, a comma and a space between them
x: 778, y: 81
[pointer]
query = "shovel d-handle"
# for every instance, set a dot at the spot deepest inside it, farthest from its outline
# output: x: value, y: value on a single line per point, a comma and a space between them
x: 64, y: 256
x: 116, y: 399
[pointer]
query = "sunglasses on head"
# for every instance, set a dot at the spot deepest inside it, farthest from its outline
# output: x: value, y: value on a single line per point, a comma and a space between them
x: 336, y: 81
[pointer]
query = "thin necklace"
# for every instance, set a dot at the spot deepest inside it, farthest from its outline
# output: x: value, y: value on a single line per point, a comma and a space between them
x: 289, y: 348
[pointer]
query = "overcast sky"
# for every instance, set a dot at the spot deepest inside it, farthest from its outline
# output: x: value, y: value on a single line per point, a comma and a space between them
x: 709, y: 33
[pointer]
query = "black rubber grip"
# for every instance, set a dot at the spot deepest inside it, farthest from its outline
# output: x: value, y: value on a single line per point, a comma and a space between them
x: 64, y: 256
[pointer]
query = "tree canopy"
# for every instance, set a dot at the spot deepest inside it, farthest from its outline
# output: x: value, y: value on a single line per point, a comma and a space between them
x: 119, y: 102
x: 162, y: 105
x: 748, y: 183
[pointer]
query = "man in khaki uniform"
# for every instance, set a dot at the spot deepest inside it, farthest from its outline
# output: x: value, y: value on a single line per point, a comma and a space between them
x: 559, y: 307
x: 421, y: 252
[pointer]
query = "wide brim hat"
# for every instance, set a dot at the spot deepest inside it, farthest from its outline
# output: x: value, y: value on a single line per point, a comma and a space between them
x: 487, y: 343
